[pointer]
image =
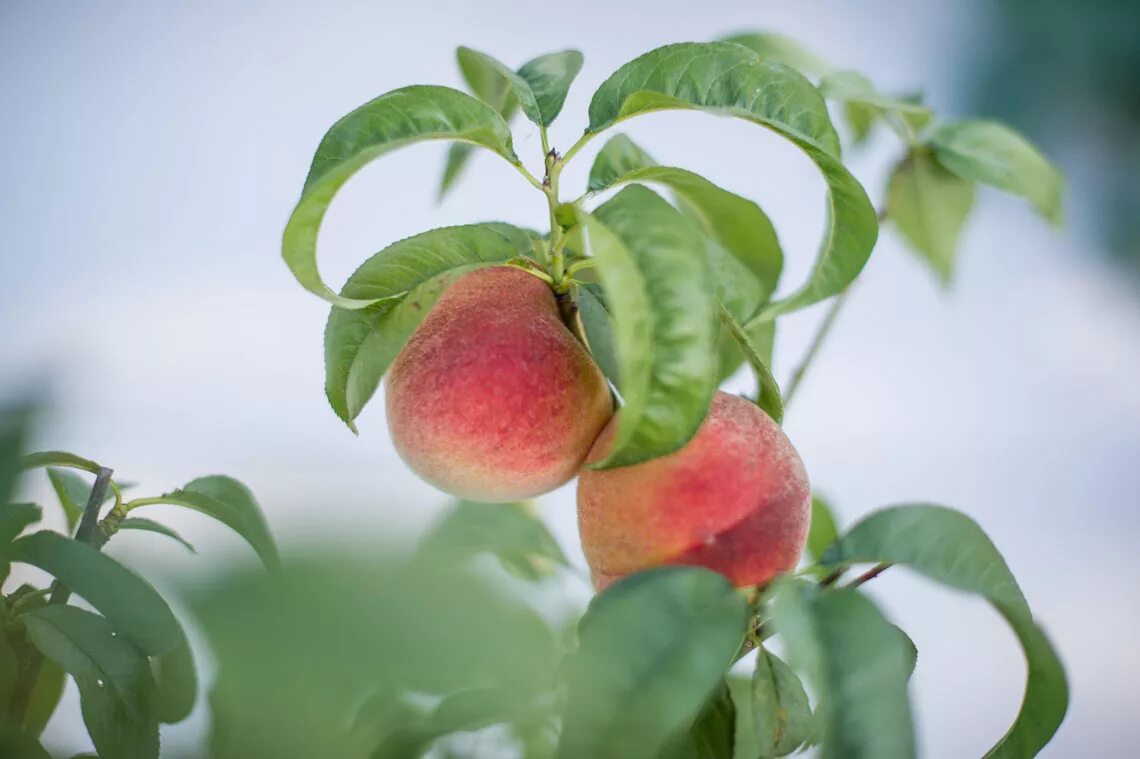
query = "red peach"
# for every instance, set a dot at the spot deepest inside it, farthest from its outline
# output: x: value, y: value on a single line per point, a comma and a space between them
x: 493, y: 398
x: 735, y: 499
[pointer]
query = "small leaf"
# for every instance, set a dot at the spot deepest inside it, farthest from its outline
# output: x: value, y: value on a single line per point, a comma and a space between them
x: 780, y: 708
x: 116, y: 687
x: 9, y: 666
x: 391, y: 121
x: 177, y: 683
x: 14, y: 518
x: 600, y: 331
x: 994, y: 154
x: 510, y: 531
x: 652, y: 648
x: 73, y: 492
x: 149, y: 525
x: 231, y: 503
x: 464, y: 711
x: 45, y: 697
x: 823, y: 531
x: 745, y: 745
x: 132, y: 606
x: 540, y: 85
x: 852, y: 87
x: 58, y: 458
x: 713, y: 733
x: 17, y: 745
x: 768, y: 392
x: 781, y: 49
x: 858, y: 665
x: 929, y: 205
x: 14, y: 424
x: 361, y: 345
x: 950, y: 548
x: 656, y: 278
x: 729, y: 79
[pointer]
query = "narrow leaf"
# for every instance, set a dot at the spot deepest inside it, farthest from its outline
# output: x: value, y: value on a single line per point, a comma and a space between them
x: 9, y: 667
x: 45, y: 697
x: 14, y: 518
x: 399, y: 118
x: 656, y: 278
x: 132, y: 606
x: 713, y: 733
x: 652, y: 648
x: 361, y: 345
x: 858, y: 665
x: 58, y: 458
x: 949, y: 547
x: 853, y: 87
x: 780, y: 708
x: 781, y: 49
x: 149, y: 525
x: 994, y: 154
x: 729, y: 79
x: 929, y: 205
x: 73, y: 492
x: 600, y: 331
x: 14, y: 424
x: 768, y: 392
x: 17, y: 745
x: 823, y: 531
x: 177, y: 681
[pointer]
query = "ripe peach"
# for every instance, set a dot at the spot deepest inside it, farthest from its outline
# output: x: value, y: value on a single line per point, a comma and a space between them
x: 735, y: 499
x: 493, y: 398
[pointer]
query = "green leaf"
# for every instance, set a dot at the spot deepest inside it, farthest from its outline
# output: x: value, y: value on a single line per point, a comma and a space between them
x: 149, y: 525
x: 857, y: 663
x: 652, y: 648
x: 823, y: 531
x: 780, y: 708
x: 132, y: 606
x: 464, y: 711
x: 929, y: 205
x: 116, y: 688
x: 58, y: 458
x: 781, y: 49
x: 600, y: 330
x: 73, y: 492
x: 177, y: 682
x: 994, y: 154
x: 950, y: 548
x: 231, y: 503
x: 853, y: 87
x: 45, y: 697
x: 9, y: 665
x: 768, y: 392
x: 658, y: 287
x: 391, y: 121
x: 510, y: 531
x: 540, y: 85
x: 745, y: 744
x: 14, y: 518
x: 713, y: 733
x: 14, y: 424
x: 860, y: 119
x: 729, y: 79
x: 17, y: 745
x: 361, y: 345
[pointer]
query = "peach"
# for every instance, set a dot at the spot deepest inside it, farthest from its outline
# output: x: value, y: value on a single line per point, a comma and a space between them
x: 493, y: 398
x: 735, y: 499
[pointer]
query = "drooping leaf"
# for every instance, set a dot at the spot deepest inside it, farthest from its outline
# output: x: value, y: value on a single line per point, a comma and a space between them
x: 652, y: 648
x: 231, y: 503
x: 858, y: 665
x: 117, y: 691
x: 540, y: 85
x: 458, y: 712
x: 399, y: 118
x: 177, y: 683
x: 510, y: 531
x: 658, y: 287
x: 768, y: 392
x: 781, y: 49
x: 713, y: 734
x: 14, y: 518
x: 745, y: 743
x: 17, y: 745
x: 9, y: 666
x: 949, y: 547
x: 994, y: 154
x: 929, y: 205
x: 45, y: 697
x: 600, y: 331
x: 13, y: 430
x: 361, y: 345
x: 58, y: 458
x: 131, y: 605
x: 149, y: 525
x: 823, y: 531
x: 853, y: 89
x: 780, y: 709
x: 729, y: 79
x: 73, y: 492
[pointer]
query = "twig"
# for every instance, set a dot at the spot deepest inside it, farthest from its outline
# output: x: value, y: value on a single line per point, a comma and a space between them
x: 816, y: 343
x: 869, y: 575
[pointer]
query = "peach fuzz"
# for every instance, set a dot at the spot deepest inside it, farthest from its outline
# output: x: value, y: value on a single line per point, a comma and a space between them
x: 735, y: 499
x: 493, y: 398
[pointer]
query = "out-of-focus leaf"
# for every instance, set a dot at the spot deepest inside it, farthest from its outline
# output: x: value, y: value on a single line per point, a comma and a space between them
x: 656, y: 278
x: 852, y: 88
x: 9, y: 666
x: 781, y: 49
x: 780, y: 709
x: 177, y: 682
x: 149, y: 525
x: 391, y: 121
x: 653, y: 647
x: 949, y: 547
x: 823, y: 531
x: 994, y: 154
x: 129, y: 603
x: 45, y: 697
x: 14, y: 518
x: 17, y: 745
x: 713, y: 733
x: 73, y: 492
x: 768, y: 392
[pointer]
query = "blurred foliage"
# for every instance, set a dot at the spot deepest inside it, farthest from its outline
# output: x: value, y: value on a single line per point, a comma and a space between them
x: 1068, y: 74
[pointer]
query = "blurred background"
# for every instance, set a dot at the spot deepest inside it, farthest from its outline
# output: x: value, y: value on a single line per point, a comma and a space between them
x: 152, y: 153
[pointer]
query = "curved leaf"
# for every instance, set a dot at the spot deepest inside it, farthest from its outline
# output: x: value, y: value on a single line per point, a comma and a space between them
x: 149, y: 525
x: 823, y: 531
x: 729, y: 79
x: 767, y: 391
x: 540, y: 85
x: 231, y: 503
x: 781, y: 712
x: 782, y: 49
x: 58, y: 458
x: 361, y: 345
x: 949, y: 547
x: 45, y: 697
x: 17, y: 745
x: 129, y: 603
x: 73, y: 492
x: 14, y: 423
x: 116, y: 688
x: 994, y: 154
x: 658, y: 287
x: 14, y: 519
x: 853, y: 87
x: 399, y: 118
x: 858, y: 664
x: 599, y: 326
x: 177, y: 683
x: 712, y: 735
x: 652, y: 648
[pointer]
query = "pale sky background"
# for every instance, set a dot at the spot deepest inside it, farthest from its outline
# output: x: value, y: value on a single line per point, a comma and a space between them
x: 152, y: 154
